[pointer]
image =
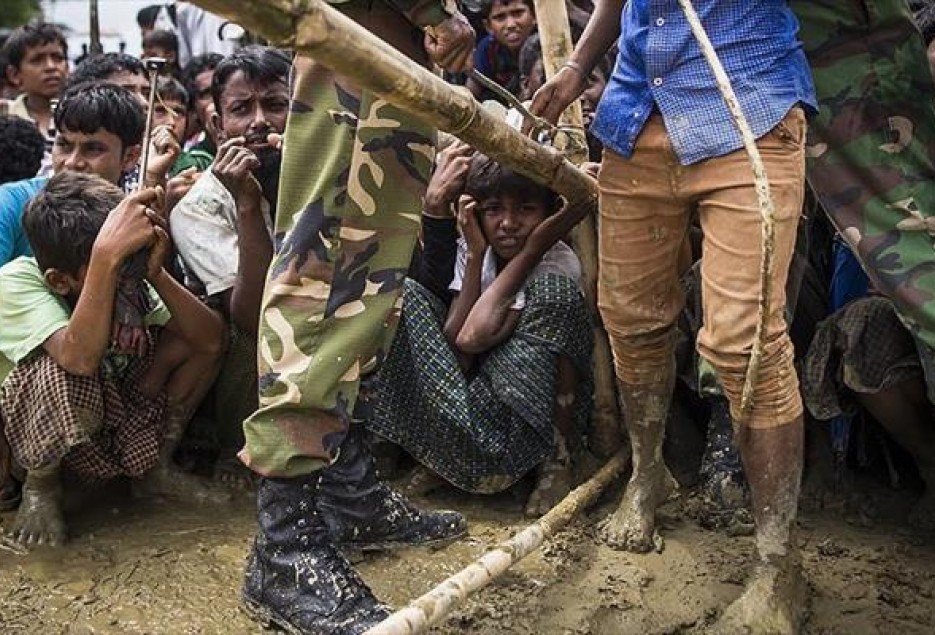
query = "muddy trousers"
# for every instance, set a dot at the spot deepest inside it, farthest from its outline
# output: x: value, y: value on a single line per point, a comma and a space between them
x: 645, y: 209
x: 354, y: 172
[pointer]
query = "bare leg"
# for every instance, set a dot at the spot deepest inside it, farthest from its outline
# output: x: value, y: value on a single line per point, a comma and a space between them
x: 554, y: 479
x: 774, y: 599
x: 906, y: 414
x: 39, y: 520
x: 633, y: 526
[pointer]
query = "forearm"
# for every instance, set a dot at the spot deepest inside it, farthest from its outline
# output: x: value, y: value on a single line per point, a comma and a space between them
x: 463, y: 303
x: 80, y: 347
x: 197, y: 324
x: 256, y: 252
x: 436, y: 266
x: 490, y: 322
x: 599, y: 35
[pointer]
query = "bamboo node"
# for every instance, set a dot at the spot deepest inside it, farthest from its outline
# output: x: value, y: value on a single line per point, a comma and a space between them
x: 458, y: 127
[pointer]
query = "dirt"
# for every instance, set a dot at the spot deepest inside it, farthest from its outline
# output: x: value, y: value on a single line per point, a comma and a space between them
x: 154, y: 568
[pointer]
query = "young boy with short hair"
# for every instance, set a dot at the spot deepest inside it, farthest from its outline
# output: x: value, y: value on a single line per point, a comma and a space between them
x: 172, y: 111
x: 37, y: 65
x: 96, y: 394
x: 164, y: 44
x: 508, y: 24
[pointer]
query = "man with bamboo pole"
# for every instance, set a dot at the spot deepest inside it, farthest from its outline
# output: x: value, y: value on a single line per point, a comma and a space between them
x: 353, y: 174
x: 672, y: 147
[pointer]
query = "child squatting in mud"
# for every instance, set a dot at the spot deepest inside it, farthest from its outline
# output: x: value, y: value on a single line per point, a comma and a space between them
x: 90, y: 398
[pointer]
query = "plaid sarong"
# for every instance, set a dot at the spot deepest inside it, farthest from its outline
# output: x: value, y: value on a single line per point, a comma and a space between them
x: 98, y: 427
x: 485, y: 432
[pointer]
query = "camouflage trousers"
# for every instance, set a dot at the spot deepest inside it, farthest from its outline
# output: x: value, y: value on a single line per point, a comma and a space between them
x: 871, y: 148
x: 353, y: 175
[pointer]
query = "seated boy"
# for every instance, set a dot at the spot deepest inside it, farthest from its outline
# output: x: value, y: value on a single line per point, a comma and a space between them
x: 92, y: 396
x: 501, y: 383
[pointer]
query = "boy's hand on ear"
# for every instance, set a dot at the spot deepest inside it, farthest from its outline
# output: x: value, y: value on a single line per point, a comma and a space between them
x: 233, y: 166
x: 448, y: 179
x: 470, y: 226
x: 164, y: 149
x: 129, y: 227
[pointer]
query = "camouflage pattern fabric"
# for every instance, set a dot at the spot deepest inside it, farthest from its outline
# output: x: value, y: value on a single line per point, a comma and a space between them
x: 354, y: 171
x: 870, y: 149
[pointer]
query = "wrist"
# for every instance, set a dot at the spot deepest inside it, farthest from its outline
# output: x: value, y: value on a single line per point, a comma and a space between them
x: 435, y: 208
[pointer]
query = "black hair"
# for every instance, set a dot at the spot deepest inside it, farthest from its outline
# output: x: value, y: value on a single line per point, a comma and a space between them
x: 21, y: 149
x: 168, y: 87
x: 195, y: 67
x: 486, y: 6
x: 259, y: 64
x: 529, y: 54
x: 924, y: 14
x: 62, y: 221
x: 146, y: 17
x: 91, y: 106
x: 104, y: 66
x: 28, y: 36
x: 488, y: 179
x: 163, y: 39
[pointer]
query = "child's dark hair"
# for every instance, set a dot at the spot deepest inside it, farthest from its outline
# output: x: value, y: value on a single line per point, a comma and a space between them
x: 162, y: 39
x: 259, y: 64
x: 102, y: 67
x: 486, y: 6
x: 94, y: 105
x: 488, y: 179
x: 62, y: 221
x: 29, y: 35
x: 170, y: 89
x: 21, y: 149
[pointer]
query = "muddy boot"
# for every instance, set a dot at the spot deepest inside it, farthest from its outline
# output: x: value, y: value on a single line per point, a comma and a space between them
x: 775, y: 599
x: 39, y: 520
x: 166, y: 480
x: 633, y: 526
x: 723, y: 487
x: 295, y: 578
x: 364, y: 513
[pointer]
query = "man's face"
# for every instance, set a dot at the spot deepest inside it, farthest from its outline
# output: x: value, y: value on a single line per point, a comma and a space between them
x: 136, y: 84
x: 510, y: 23
x: 172, y: 113
x: 42, y: 70
x: 249, y: 109
x: 202, y: 102
x: 100, y: 153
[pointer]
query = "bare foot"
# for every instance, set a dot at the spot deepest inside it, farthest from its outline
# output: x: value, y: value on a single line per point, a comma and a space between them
x: 170, y: 483
x: 633, y: 526
x: 773, y: 603
x: 39, y: 520
x: 232, y: 473
x: 552, y: 485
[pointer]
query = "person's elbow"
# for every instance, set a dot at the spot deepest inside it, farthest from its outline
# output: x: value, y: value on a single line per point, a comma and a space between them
x: 473, y: 340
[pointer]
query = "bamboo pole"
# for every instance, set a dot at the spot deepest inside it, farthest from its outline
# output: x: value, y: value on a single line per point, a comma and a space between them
x: 322, y: 33
x: 435, y: 605
x: 555, y: 37
x: 763, y: 196
x: 95, y: 46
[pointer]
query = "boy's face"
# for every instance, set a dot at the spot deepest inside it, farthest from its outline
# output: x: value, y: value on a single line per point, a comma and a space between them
x: 42, y: 71
x: 510, y: 23
x: 248, y: 108
x: 100, y: 153
x: 589, y: 98
x: 172, y: 113
x: 202, y: 102
x: 507, y: 220
x: 136, y: 84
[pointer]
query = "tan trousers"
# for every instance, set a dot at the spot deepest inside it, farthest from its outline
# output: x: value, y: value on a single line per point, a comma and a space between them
x: 646, y: 205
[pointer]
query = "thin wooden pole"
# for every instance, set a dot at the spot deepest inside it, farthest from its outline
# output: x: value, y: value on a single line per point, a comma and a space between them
x: 95, y: 47
x: 763, y: 196
x: 555, y: 38
x: 435, y: 605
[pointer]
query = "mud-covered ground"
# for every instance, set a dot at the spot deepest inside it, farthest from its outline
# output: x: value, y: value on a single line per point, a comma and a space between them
x: 155, y: 568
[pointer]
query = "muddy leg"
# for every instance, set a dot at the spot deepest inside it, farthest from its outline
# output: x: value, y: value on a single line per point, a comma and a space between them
x: 633, y: 526
x: 904, y: 411
x: 554, y: 479
x: 39, y: 520
x: 774, y: 599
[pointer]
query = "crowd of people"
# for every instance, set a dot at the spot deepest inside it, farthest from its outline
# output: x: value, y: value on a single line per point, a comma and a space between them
x: 294, y: 280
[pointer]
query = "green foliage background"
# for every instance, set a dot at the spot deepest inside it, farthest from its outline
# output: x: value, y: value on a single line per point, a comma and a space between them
x: 17, y: 12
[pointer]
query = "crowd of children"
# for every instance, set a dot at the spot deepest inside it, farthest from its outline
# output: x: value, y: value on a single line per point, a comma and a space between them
x: 130, y: 302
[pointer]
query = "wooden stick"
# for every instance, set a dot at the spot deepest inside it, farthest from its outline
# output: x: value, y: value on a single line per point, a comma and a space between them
x: 330, y: 38
x: 764, y: 198
x: 435, y: 605
x: 555, y: 38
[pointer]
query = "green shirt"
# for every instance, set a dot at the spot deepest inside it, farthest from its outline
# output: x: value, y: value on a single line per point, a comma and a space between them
x: 30, y: 313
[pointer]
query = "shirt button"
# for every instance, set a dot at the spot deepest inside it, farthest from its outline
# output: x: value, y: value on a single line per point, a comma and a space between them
x: 657, y: 81
x: 660, y: 21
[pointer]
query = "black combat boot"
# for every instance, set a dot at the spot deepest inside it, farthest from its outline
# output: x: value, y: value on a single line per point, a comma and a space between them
x: 295, y: 577
x: 364, y: 513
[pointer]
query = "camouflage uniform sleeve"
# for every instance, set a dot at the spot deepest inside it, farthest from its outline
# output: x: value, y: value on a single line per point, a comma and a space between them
x: 425, y: 12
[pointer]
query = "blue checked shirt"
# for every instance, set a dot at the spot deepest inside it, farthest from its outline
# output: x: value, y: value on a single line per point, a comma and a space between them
x: 659, y: 63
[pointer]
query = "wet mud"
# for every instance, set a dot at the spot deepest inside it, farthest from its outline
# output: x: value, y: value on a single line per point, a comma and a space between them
x: 134, y: 567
